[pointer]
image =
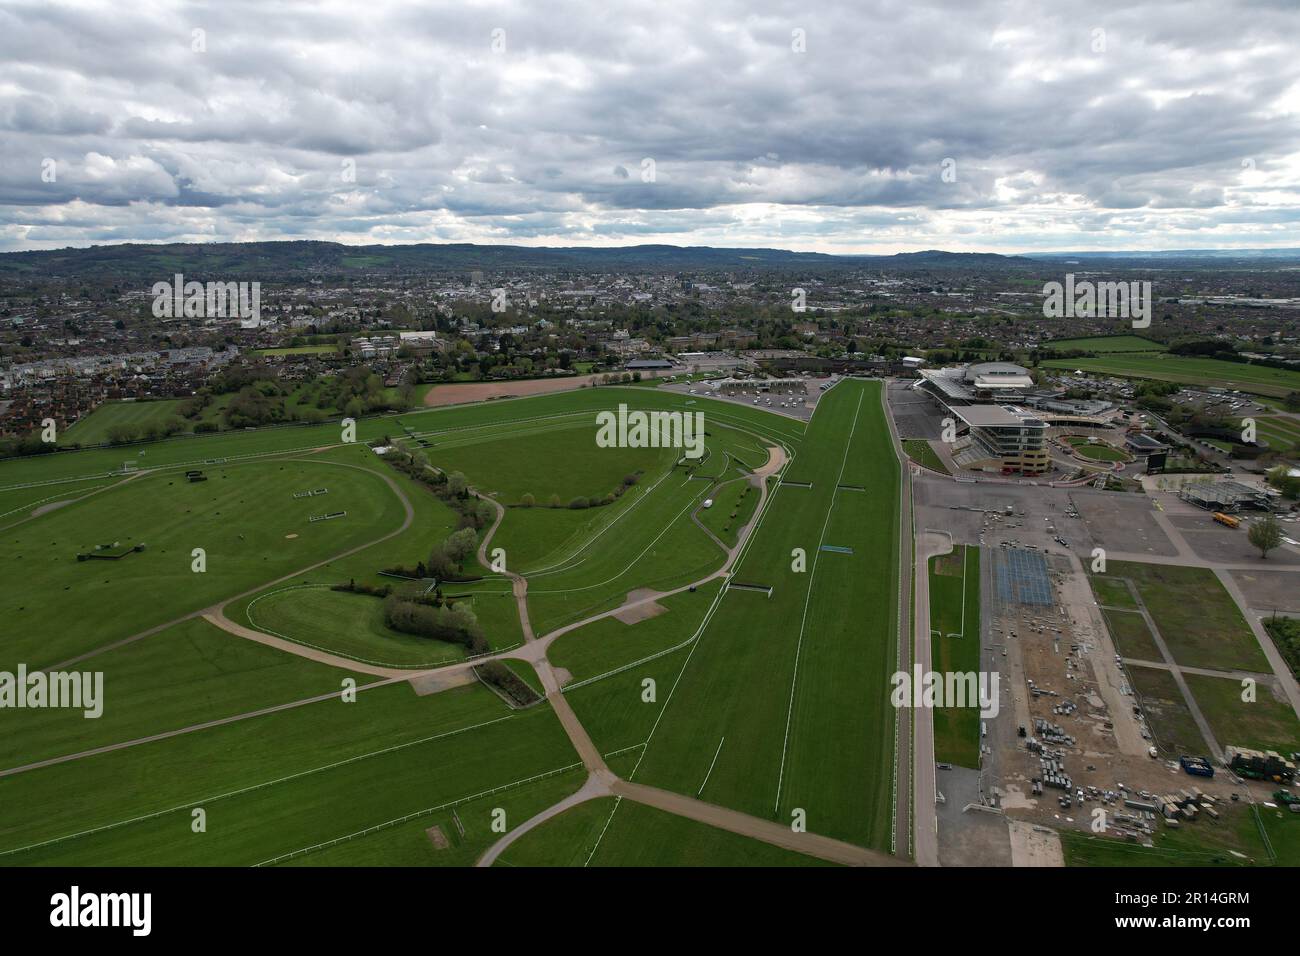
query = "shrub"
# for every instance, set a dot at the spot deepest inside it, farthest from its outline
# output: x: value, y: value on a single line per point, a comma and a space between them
x: 381, y: 591
x: 508, y: 682
x: 456, y: 624
x: 122, y: 434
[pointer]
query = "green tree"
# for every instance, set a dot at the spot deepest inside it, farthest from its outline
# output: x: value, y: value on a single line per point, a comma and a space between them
x: 1265, y: 534
x: 461, y: 544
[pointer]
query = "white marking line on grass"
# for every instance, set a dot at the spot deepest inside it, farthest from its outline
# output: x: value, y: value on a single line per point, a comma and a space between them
x: 415, y: 815
x: 803, y: 621
x: 466, y: 441
x: 226, y: 459
x: 257, y: 786
x: 64, y: 481
x: 717, y: 599
x: 740, y: 557
x: 711, y: 766
x: 964, y: 574
x: 434, y: 432
x: 560, y: 565
x: 608, y: 821
x: 37, y: 504
x: 668, y: 527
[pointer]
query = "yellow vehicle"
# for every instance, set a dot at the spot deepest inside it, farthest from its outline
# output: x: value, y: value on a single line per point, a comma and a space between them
x: 1229, y: 520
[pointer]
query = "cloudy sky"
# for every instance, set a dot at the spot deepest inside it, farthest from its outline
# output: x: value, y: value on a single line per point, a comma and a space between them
x: 857, y: 126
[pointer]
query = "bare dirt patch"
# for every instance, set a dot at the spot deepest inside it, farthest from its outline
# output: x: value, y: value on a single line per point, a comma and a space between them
x: 427, y: 684
x: 1034, y: 846
x: 631, y: 612
x: 437, y: 838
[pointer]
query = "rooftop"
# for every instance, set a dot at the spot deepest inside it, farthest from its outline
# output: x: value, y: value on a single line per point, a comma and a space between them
x: 987, y: 416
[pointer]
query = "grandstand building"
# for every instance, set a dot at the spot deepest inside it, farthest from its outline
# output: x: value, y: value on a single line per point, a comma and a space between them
x: 1000, y: 438
x: 993, y: 434
x: 982, y: 384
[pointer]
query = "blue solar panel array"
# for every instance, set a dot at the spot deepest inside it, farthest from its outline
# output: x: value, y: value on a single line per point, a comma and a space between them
x: 1022, y: 577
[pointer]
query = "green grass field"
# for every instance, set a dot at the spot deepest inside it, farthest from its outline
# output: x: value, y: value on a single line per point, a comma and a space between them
x: 1191, y: 371
x: 558, y: 460
x: 1167, y: 714
x: 955, y: 645
x: 733, y: 507
x: 208, y: 676
x: 1131, y: 635
x: 1196, y: 616
x: 608, y: 644
x: 244, y: 518
x: 351, y: 625
x: 285, y: 771
x: 782, y: 733
x: 1112, y: 592
x: 923, y: 453
x: 1282, y: 434
x: 1105, y: 344
x: 1263, y: 724
x: 1096, y: 451
x: 279, y: 783
x: 94, y: 428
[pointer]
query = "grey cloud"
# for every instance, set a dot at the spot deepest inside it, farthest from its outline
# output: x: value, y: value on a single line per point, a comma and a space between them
x: 753, y: 142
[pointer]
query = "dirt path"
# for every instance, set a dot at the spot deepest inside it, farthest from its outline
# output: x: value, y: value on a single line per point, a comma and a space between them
x: 593, y: 789
x: 518, y: 583
x: 1286, y: 680
x: 602, y: 780
x: 768, y: 831
x: 1192, y: 706
x: 217, y: 617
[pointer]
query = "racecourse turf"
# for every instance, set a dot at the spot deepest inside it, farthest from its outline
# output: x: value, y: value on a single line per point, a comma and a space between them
x: 340, y: 781
x: 782, y: 702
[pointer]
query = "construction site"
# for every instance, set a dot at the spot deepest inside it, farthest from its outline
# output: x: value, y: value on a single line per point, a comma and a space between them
x: 1072, y: 747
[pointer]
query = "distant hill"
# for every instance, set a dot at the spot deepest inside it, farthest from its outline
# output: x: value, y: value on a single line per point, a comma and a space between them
x: 279, y: 260
x: 1263, y: 258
